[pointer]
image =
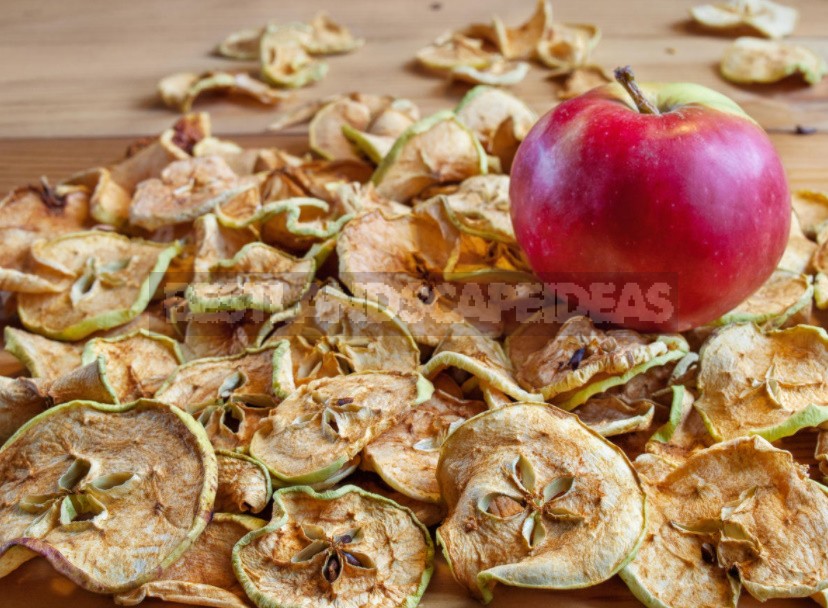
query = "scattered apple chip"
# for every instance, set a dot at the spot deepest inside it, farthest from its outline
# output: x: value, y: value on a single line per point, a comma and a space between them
x: 221, y: 334
x: 767, y: 18
x: 229, y: 425
x: 455, y: 50
x: 758, y: 60
x: 135, y: 365
x: 785, y: 295
x: 771, y: 384
x: 43, y: 358
x: 566, y: 47
x: 334, y: 334
x: 21, y: 399
x: 812, y: 210
x: 241, y: 44
x: 485, y: 109
x: 406, y: 455
x: 257, y: 376
x: 203, y: 576
x: 436, y: 150
x: 323, y: 426
x: 581, y: 80
x: 243, y: 483
x: 105, y: 279
x: 345, y: 547
x: 522, y: 42
x: 724, y: 518
x: 498, y: 73
x: 525, y: 515
x: 284, y: 60
x: 179, y: 91
x: 109, y: 495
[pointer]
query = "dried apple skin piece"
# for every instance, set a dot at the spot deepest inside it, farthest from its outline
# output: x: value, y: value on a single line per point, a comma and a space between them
x: 348, y: 526
x: 76, y: 498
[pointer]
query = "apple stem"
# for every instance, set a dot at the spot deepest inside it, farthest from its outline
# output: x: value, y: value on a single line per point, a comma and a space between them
x: 626, y: 79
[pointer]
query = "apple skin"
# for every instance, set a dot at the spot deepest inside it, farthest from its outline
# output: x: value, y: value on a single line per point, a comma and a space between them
x: 697, y: 192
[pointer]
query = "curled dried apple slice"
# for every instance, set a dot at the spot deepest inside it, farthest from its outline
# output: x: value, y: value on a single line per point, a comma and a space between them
x: 758, y: 60
x: 222, y: 334
x: 811, y: 208
x: 214, y: 241
x: 135, y: 365
x: 204, y: 575
x: 438, y: 149
x: 329, y: 37
x: 345, y: 547
x: 684, y: 432
x: 581, y: 80
x: 181, y: 90
x: 21, y: 399
x: 43, y: 358
x: 783, y: 298
x: 498, y: 73
x: 406, y: 455
x: 521, y: 42
x: 771, y: 384
x: 335, y: 334
x: 723, y: 519
x: 566, y: 47
x: 454, y: 50
x: 243, y: 483
x: 527, y: 516
x: 427, y: 513
x: 284, y: 60
x: 609, y: 415
x: 258, y: 376
x: 241, y: 44
x: 106, y: 280
x: 109, y: 495
x: 229, y: 425
x: 325, y: 130
x: 323, y: 426
x: 768, y: 18
x: 799, y: 250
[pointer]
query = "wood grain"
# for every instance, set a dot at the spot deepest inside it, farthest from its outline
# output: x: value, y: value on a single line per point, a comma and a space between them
x: 78, y: 83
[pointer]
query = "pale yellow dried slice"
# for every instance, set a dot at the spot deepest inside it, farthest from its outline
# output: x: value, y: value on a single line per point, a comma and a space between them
x: 329, y: 37
x: 241, y: 44
x: 566, y: 47
x: 525, y: 515
x: 323, y: 425
x: 581, y: 80
x: 325, y: 131
x: 811, y: 208
x: 229, y: 425
x: 784, y: 296
x: 344, y: 548
x: 109, y: 495
x: 243, y: 483
x: 484, y: 109
x: 21, y: 399
x: 820, y: 265
x: 106, y: 280
x: 43, y: 358
x: 257, y: 277
x: 609, y: 415
x: 738, y: 512
x: 498, y: 73
x: 284, y: 60
x: 436, y: 150
x: 521, y: 42
x: 758, y: 60
x: 204, y: 575
x: 768, y: 18
x: 799, y: 250
x: 771, y: 383
x: 373, y: 147
x: 454, y: 50
x: 135, y: 365
x: 406, y: 455
x: 181, y: 90
x: 257, y: 376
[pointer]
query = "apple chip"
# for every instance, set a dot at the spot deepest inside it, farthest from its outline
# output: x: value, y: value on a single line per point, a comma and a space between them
x: 21, y: 399
x: 221, y: 334
x: 179, y: 91
x: 521, y: 42
x: 684, y: 432
x: 583, y: 360
x: 784, y: 296
x: 724, y: 518
x: 204, y: 575
x: 43, y: 358
x: 329, y: 37
x: 241, y: 44
x: 454, y: 50
x: 323, y: 426
x: 243, y: 483
x: 229, y: 424
x: 525, y: 515
x: 257, y: 376
x: 258, y: 277
x: 109, y: 495
x: 767, y: 18
x: 812, y: 210
x: 566, y: 47
x: 758, y: 60
x: 820, y: 265
x: 771, y: 384
x: 187, y: 189
x: 485, y: 109
x: 105, y: 279
x: 427, y: 513
x: 581, y: 80
x: 325, y: 131
x: 406, y: 455
x: 135, y: 365
x: 799, y: 250
x: 343, y: 548
x: 609, y: 415
x: 436, y: 150
x: 284, y: 60
x: 334, y: 334
x: 498, y: 73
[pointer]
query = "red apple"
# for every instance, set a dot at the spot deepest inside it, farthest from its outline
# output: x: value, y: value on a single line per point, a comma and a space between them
x: 666, y: 182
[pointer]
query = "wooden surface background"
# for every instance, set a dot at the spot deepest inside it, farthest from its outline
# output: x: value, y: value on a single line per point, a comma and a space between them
x: 77, y: 83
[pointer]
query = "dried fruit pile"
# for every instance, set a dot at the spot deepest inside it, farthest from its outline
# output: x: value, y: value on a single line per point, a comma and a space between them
x: 199, y: 324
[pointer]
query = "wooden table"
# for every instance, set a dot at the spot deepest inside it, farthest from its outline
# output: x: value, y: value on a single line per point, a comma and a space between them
x: 78, y: 83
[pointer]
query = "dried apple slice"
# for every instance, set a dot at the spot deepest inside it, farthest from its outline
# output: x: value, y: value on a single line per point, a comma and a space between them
x: 258, y: 376
x: 498, y: 73
x: 758, y: 60
x: 723, y: 517
x: 610, y: 415
x: 799, y: 250
x: 109, y: 495
x: 454, y: 50
x: 436, y: 150
x: 427, y: 513
x: 241, y: 44
x: 684, y: 432
x: 135, y: 365
x: 323, y: 426
x: 765, y: 17
x: 521, y: 42
x: 566, y: 47
x: 222, y: 334
x: 527, y: 516
x: 406, y: 455
x: 771, y: 384
x: 343, y: 547
x: 215, y: 241
x: 335, y: 334
x: 325, y: 130
x: 329, y: 37
x: 106, y: 280
x: 243, y: 483
x: 258, y: 277
x: 21, y: 399
x: 484, y: 109
x: 181, y: 90
x: 812, y: 210
x: 284, y: 60
x: 204, y: 575
x: 43, y: 358
x: 581, y: 80
x: 784, y: 296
